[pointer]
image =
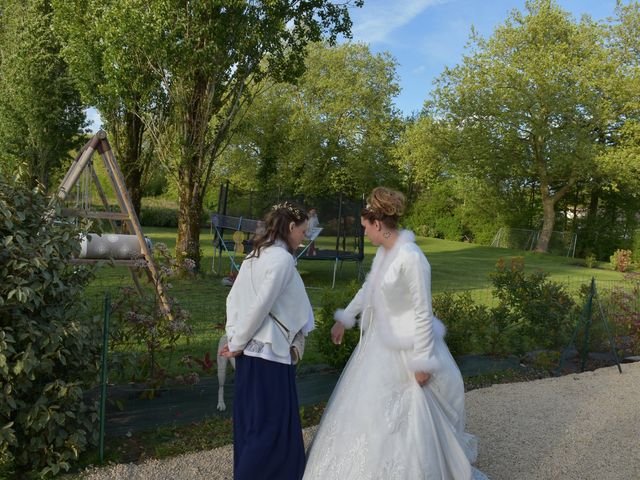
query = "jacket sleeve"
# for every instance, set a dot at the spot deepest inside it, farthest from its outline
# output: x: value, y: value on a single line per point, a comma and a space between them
x: 268, y: 289
x: 418, y: 272
x: 348, y: 316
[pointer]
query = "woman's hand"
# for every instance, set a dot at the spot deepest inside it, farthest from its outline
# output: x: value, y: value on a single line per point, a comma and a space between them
x: 224, y: 352
x: 337, y: 333
x: 422, y: 378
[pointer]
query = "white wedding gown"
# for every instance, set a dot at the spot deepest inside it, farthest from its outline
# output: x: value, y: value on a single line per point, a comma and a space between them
x: 381, y: 425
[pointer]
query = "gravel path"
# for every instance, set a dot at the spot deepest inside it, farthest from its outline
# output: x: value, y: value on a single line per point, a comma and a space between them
x: 582, y: 426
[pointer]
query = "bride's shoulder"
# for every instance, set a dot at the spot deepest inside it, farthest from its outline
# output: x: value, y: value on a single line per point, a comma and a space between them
x: 411, y: 252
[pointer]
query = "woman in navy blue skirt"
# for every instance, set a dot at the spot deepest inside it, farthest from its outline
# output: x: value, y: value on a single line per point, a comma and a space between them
x: 268, y: 316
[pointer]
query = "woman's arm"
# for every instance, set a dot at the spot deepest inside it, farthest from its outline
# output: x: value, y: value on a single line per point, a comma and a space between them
x: 347, y: 317
x: 418, y: 276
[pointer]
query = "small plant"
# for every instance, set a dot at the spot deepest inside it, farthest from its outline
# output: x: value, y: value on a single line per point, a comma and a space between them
x: 142, y: 320
x: 590, y: 260
x: 621, y: 260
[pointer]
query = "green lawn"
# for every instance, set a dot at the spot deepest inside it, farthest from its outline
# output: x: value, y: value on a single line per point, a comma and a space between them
x: 455, y: 267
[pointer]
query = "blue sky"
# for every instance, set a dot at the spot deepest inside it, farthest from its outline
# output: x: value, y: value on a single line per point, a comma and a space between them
x: 424, y: 36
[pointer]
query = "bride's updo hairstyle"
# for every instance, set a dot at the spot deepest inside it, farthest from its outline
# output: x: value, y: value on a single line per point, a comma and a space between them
x: 385, y: 205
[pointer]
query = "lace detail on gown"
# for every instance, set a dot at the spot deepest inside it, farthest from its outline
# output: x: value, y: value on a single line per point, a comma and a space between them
x: 380, y: 425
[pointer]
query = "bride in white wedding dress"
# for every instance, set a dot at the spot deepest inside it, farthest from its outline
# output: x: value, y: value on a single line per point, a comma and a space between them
x: 397, y: 411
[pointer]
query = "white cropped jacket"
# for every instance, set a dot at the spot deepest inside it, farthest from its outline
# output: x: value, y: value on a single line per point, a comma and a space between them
x: 268, y: 302
x: 397, y: 297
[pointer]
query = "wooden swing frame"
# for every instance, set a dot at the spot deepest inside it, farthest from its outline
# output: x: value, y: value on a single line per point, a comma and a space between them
x: 127, y: 214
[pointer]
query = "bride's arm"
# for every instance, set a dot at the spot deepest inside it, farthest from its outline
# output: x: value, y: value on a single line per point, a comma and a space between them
x: 418, y: 275
x: 347, y: 317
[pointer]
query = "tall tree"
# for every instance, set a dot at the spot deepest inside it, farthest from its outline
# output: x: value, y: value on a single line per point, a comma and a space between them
x: 345, y: 123
x: 529, y: 103
x: 41, y: 115
x: 333, y: 131
x: 622, y: 161
x: 205, y: 55
x: 102, y: 42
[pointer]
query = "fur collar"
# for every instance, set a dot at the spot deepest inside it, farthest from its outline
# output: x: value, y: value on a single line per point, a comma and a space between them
x: 381, y: 263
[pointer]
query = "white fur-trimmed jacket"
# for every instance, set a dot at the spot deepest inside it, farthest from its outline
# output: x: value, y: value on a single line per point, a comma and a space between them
x: 268, y: 290
x: 397, y: 296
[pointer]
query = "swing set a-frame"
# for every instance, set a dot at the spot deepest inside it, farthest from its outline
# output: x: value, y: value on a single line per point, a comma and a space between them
x: 82, y: 167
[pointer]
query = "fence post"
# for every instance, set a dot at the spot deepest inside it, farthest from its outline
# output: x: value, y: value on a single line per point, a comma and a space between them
x: 103, y: 370
x: 587, y: 323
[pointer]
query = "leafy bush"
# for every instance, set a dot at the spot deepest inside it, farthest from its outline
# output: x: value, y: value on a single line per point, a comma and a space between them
x: 621, y: 260
x: 636, y: 248
x: 463, y: 319
x: 541, y: 309
x: 159, y: 217
x: 434, y: 214
x: 49, y: 346
x: 335, y: 355
x: 152, y: 216
x: 590, y: 260
x: 622, y: 307
x: 532, y: 312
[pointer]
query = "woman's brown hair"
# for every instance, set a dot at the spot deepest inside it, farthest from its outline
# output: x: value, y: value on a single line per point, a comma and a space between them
x: 276, y: 226
x: 385, y: 205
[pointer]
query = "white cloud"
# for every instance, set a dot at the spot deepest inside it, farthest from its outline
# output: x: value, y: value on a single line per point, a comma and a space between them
x: 419, y: 70
x: 379, y: 18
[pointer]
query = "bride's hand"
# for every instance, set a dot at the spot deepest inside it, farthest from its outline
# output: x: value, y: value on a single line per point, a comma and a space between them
x: 337, y: 333
x: 422, y: 378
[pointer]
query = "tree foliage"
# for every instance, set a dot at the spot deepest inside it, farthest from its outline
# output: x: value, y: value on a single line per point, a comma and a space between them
x: 528, y: 104
x: 333, y: 131
x: 621, y: 163
x: 41, y: 116
x: 103, y: 42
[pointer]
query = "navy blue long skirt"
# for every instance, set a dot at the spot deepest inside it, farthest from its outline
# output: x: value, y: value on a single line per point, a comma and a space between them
x: 267, y: 441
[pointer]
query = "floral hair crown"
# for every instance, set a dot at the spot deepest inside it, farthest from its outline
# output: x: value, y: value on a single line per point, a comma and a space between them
x: 295, y: 211
x: 369, y: 208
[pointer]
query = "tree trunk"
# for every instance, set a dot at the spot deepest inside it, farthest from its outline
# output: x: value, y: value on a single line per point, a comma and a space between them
x: 132, y: 165
x: 548, y: 221
x: 190, y: 172
x: 594, y: 200
x: 190, y: 198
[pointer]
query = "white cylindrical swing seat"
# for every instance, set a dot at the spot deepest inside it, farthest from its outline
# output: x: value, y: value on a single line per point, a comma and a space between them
x: 110, y: 246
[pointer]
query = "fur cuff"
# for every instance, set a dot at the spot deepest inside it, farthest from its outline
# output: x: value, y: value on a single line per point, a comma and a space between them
x: 439, y: 329
x: 424, y: 364
x: 341, y: 315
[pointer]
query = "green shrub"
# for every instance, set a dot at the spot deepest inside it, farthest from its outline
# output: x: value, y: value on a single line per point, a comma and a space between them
x: 540, y: 308
x: 433, y: 214
x: 463, y: 319
x: 621, y: 305
x: 621, y: 260
x: 49, y: 345
x: 152, y: 216
x: 590, y: 260
x: 335, y: 355
x: 159, y: 217
x: 636, y: 248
